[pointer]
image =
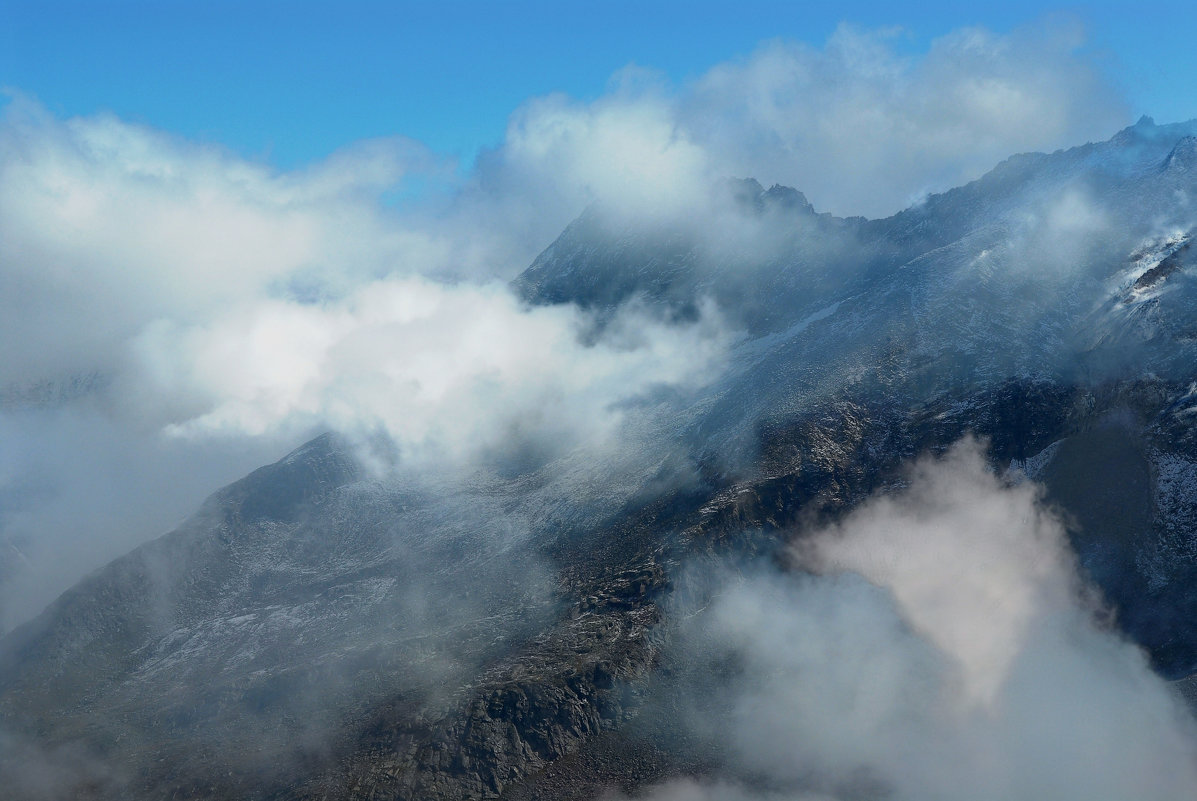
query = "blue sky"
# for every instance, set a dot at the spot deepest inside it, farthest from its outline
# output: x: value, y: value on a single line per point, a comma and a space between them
x: 289, y: 82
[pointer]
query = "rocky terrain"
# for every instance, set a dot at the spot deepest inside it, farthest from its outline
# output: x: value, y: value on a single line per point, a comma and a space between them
x: 320, y: 630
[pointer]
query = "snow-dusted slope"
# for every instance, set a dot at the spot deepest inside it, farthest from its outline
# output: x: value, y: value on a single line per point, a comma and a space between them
x: 320, y: 632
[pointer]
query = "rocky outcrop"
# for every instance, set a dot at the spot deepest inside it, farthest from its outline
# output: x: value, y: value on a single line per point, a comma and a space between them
x: 578, y: 680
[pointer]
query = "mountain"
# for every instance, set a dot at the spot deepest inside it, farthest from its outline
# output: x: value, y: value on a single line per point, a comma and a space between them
x: 321, y: 629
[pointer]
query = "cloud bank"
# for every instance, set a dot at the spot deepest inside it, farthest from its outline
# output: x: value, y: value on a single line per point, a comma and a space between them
x: 862, y: 128
x: 172, y: 317
x: 450, y: 373
x: 169, y: 309
x: 862, y: 125
x: 944, y: 649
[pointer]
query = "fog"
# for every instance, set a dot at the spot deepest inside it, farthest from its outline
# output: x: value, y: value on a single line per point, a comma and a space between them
x: 173, y: 314
x: 937, y: 643
x: 863, y: 128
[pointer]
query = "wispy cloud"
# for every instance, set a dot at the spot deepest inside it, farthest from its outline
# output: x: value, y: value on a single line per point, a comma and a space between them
x: 167, y: 295
x: 862, y: 126
x: 946, y: 649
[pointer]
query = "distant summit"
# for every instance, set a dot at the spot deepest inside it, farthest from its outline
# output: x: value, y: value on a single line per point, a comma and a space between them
x: 750, y: 193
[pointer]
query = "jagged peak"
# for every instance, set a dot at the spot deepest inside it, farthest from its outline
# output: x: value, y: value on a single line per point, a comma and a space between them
x: 1144, y: 127
x: 788, y: 197
x: 749, y: 192
x: 1147, y: 131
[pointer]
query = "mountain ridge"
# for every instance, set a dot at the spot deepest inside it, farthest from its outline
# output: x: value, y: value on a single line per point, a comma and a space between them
x: 321, y: 631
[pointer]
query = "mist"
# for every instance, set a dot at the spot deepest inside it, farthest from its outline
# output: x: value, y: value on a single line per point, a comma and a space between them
x: 937, y: 643
x: 173, y: 314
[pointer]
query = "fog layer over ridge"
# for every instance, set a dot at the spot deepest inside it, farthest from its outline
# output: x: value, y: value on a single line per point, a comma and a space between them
x: 176, y: 317
x: 944, y: 649
x: 172, y: 315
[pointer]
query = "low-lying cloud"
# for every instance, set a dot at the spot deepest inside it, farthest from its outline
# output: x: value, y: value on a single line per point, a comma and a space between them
x: 943, y: 649
x: 170, y: 309
x: 450, y: 373
x: 173, y: 317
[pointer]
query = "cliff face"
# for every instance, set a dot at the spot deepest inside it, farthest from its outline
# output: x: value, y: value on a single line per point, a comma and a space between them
x: 318, y: 630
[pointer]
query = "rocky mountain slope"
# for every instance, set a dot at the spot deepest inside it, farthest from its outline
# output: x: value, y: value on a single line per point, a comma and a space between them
x: 321, y: 630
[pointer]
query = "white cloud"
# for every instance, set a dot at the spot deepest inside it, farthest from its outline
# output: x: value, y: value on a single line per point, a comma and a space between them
x: 966, y: 573
x: 863, y: 128
x: 450, y: 372
x: 948, y: 652
x: 109, y: 226
x: 626, y: 150
x: 213, y: 295
x: 216, y: 310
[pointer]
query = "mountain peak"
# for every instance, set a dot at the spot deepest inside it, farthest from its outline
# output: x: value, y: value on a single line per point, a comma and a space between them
x: 787, y: 197
x: 749, y: 192
x: 1143, y: 129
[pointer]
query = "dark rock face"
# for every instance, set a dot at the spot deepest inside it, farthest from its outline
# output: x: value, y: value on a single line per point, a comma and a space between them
x: 574, y: 687
x: 316, y: 632
x: 527, y: 719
